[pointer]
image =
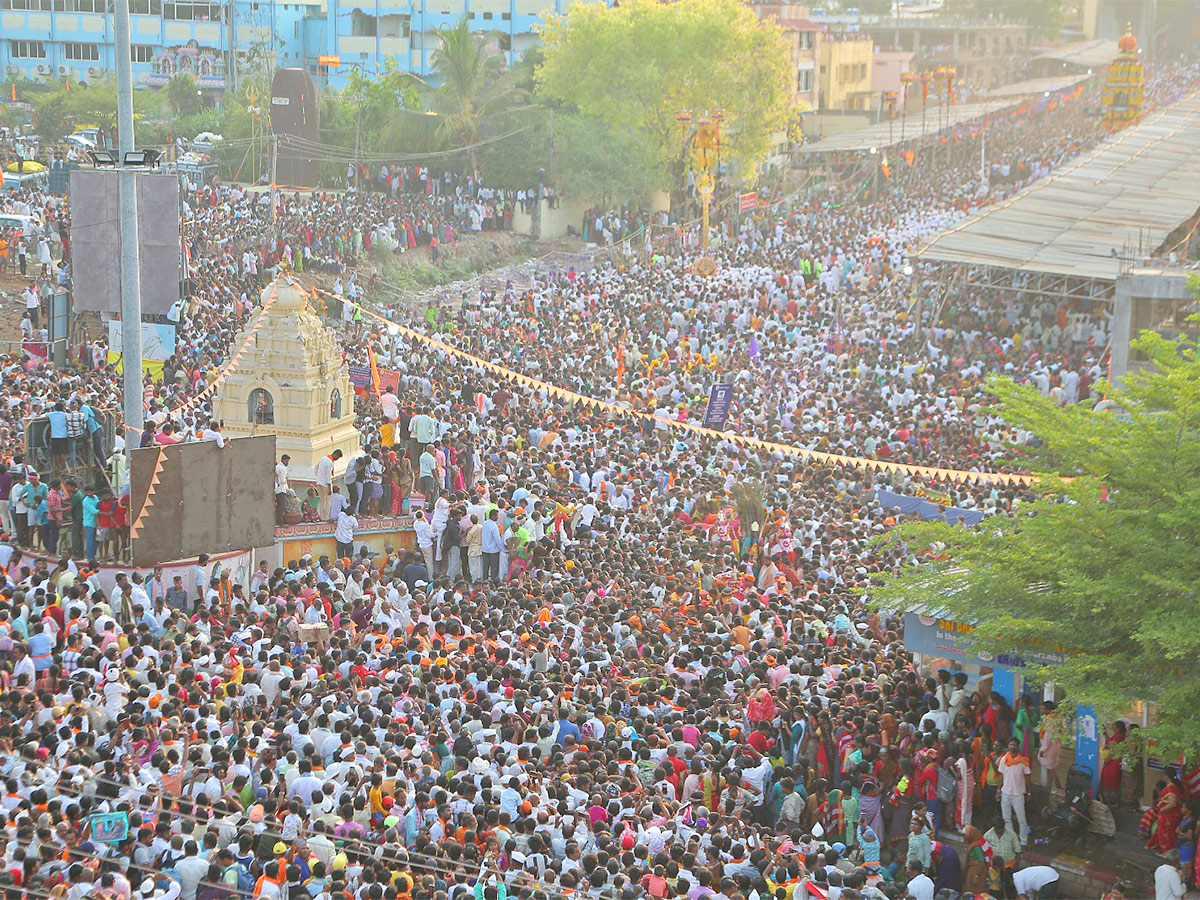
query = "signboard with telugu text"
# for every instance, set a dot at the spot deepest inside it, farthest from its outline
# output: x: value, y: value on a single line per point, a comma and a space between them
x: 748, y: 201
x: 947, y: 639
x: 332, y: 61
x: 720, y: 398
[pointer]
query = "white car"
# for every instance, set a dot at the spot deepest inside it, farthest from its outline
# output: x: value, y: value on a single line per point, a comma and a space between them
x: 27, y: 225
x: 80, y: 142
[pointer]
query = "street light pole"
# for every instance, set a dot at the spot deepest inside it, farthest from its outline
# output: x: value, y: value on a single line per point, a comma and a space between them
x: 131, y: 277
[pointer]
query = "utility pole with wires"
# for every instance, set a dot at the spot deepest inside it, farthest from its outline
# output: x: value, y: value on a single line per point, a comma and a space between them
x: 274, y: 171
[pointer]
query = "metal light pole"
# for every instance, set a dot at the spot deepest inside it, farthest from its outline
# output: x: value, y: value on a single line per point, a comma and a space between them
x: 906, y: 79
x: 131, y: 276
x: 889, y: 100
x: 925, y: 77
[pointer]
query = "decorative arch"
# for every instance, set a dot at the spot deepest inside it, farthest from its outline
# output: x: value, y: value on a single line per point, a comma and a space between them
x: 260, y: 407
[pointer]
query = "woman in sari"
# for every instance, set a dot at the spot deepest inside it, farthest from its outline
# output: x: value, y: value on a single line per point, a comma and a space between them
x: 1168, y: 813
x: 870, y: 806
x: 833, y: 820
x: 979, y: 857
x: 1025, y: 726
x: 401, y: 476
x: 904, y: 795
x: 1110, y: 773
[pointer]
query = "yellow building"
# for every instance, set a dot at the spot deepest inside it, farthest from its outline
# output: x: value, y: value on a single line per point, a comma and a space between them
x: 844, y: 75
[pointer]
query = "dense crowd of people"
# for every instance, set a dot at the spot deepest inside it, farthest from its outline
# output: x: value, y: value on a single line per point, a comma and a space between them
x: 624, y: 660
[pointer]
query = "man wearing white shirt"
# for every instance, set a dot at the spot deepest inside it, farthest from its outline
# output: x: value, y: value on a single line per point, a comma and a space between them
x: 1168, y: 883
x: 212, y: 432
x: 281, y: 487
x: 920, y: 885
x: 390, y: 405
x: 1039, y: 882
x: 343, y: 533
x: 323, y: 475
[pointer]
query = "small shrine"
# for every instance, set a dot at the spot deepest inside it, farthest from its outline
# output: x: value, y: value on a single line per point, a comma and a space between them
x: 291, y: 382
x: 1121, y: 97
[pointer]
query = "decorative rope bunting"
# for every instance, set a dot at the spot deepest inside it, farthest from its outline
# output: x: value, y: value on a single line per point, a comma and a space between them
x: 832, y: 459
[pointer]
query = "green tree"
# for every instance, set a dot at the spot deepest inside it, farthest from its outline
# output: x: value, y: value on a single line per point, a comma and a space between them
x: 473, y: 92
x: 599, y: 162
x: 368, y: 101
x: 183, y: 95
x: 1103, y: 568
x: 634, y: 65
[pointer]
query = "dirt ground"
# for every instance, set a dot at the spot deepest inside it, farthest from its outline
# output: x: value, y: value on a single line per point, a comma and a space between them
x: 11, y: 307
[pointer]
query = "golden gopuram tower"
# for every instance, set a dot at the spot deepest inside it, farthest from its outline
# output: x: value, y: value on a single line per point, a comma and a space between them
x: 1121, y: 97
x: 291, y: 382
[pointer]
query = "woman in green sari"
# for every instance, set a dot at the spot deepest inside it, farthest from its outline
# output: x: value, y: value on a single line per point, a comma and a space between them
x: 1025, y: 727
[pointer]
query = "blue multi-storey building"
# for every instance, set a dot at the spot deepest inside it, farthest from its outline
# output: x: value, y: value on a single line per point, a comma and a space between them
x: 73, y: 39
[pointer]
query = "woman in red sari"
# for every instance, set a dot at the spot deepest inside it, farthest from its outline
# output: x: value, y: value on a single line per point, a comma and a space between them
x: 1169, y: 812
x: 1110, y: 773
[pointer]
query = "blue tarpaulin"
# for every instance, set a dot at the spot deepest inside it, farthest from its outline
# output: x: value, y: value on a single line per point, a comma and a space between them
x: 927, y: 509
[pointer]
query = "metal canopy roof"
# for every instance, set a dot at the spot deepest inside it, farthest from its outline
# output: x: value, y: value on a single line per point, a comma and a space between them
x: 1139, y: 185
x: 886, y: 134
x: 1086, y: 54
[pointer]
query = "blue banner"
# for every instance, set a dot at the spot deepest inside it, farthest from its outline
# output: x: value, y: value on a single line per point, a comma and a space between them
x: 720, y: 398
x: 1087, y: 741
x: 927, y: 509
x: 360, y: 376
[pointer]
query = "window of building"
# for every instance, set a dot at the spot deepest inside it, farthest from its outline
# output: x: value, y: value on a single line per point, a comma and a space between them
x: 507, y: 17
x: 25, y: 4
x: 27, y: 49
x: 144, y: 7
x: 141, y: 53
x: 184, y: 11
x: 81, y: 52
x: 804, y: 80
x: 806, y: 40
x: 362, y: 25
x: 487, y: 16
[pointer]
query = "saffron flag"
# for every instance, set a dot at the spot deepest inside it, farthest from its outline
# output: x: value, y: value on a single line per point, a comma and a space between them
x: 374, y: 370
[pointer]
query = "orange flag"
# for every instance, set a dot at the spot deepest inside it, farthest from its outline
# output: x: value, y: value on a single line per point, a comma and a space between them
x: 910, y: 156
x: 374, y: 370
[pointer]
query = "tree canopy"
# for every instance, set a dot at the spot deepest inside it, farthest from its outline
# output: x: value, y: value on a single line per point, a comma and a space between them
x: 1104, y: 567
x: 474, y: 94
x: 634, y: 65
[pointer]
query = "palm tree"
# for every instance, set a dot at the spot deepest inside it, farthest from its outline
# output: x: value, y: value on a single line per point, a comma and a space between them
x: 470, y: 93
